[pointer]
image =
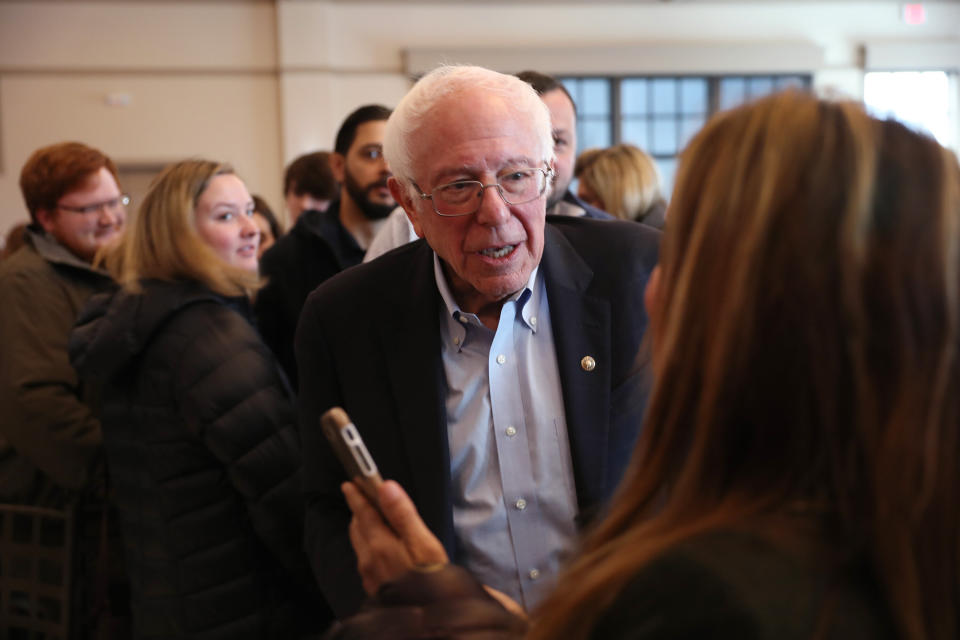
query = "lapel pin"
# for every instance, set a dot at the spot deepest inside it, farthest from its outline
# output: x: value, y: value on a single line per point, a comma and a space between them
x: 588, y: 363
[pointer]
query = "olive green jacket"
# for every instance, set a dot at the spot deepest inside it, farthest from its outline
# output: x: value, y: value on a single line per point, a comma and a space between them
x: 49, y: 433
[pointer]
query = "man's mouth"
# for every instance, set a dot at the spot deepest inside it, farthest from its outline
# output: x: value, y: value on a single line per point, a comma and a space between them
x: 498, y: 252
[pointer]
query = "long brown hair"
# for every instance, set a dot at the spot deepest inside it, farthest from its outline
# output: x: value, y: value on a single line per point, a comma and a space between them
x: 163, y: 243
x: 805, y: 351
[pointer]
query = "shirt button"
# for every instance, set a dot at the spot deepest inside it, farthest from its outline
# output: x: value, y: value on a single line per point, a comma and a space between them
x: 456, y: 341
x: 534, y: 574
x: 520, y: 504
x: 533, y: 320
x: 462, y: 319
x: 511, y: 431
x: 501, y: 359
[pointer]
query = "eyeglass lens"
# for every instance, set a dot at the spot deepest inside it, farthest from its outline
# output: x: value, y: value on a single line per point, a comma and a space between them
x: 110, y: 205
x: 463, y: 196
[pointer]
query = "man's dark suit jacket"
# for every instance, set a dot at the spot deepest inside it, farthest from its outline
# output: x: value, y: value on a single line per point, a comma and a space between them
x: 369, y: 341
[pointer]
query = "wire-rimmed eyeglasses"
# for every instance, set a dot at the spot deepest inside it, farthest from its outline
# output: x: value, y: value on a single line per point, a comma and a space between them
x: 463, y: 197
x: 110, y: 205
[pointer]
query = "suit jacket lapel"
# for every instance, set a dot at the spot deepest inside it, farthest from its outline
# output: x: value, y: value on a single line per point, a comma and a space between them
x: 581, y: 329
x: 411, y: 346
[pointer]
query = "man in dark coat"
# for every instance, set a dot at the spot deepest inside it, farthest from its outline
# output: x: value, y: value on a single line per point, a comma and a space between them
x: 563, y: 120
x: 51, y: 452
x: 492, y: 367
x: 50, y: 435
x: 323, y: 243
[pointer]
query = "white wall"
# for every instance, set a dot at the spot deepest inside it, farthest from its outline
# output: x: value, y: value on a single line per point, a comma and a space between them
x: 258, y: 82
x: 200, y: 79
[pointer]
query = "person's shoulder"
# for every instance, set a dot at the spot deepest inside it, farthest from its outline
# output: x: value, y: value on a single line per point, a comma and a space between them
x: 198, y: 322
x: 300, y: 243
x: 192, y: 301
x: 589, y: 211
x: 385, y: 272
x: 607, y: 244
x: 676, y: 595
x: 28, y: 273
x: 746, y: 586
x: 24, y: 262
x: 582, y: 229
x: 394, y: 278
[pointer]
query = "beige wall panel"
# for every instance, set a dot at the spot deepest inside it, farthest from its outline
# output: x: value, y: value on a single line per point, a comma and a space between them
x: 233, y: 118
x: 316, y: 103
x: 152, y: 35
x: 371, y: 36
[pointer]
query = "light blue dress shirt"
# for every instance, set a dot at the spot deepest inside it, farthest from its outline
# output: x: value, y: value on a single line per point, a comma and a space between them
x: 514, y: 500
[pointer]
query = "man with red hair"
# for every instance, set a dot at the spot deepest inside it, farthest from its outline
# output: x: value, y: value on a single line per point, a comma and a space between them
x: 50, y: 436
x: 50, y: 442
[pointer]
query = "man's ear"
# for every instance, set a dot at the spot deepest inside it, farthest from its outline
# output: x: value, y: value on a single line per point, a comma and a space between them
x: 47, y: 219
x: 402, y: 196
x: 338, y: 166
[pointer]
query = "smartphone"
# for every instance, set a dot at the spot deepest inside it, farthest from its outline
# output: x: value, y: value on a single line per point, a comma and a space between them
x: 352, y: 453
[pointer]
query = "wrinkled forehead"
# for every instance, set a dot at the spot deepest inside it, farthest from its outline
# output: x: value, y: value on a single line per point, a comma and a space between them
x: 475, y: 123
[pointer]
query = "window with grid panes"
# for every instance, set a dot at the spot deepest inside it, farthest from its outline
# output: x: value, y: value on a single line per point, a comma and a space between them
x: 660, y: 114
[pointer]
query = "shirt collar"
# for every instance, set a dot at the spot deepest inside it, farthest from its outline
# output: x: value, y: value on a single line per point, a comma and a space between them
x: 526, y: 310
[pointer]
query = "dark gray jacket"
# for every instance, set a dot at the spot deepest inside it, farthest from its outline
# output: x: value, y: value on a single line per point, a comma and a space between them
x: 49, y: 433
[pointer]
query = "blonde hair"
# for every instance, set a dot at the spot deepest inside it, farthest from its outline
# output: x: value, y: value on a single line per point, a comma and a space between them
x: 163, y: 243
x: 624, y: 178
x: 806, y: 335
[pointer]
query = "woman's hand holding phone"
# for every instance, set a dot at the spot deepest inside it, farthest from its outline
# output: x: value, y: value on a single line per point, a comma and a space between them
x: 386, y: 531
x: 388, y: 546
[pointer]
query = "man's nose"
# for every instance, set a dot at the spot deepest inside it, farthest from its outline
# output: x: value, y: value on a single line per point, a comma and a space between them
x: 108, y: 216
x: 493, y: 210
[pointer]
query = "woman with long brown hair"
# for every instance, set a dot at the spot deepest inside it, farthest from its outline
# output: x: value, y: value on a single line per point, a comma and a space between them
x: 805, y: 340
x: 797, y: 472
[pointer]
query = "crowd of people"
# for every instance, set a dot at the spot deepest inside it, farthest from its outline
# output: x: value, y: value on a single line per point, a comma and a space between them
x: 599, y: 416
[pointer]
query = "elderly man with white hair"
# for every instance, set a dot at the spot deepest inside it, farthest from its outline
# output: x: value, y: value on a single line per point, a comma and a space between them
x: 493, y: 367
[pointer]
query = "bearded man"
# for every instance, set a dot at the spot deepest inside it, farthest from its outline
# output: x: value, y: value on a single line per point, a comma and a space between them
x: 324, y: 243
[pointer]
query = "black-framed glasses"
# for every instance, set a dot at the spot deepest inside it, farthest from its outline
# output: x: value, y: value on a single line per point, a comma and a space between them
x: 463, y: 197
x: 113, y: 204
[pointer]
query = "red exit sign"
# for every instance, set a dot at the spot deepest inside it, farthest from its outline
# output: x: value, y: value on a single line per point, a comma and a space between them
x: 913, y: 13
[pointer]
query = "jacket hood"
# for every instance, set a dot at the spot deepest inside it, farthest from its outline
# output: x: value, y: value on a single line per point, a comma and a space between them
x: 115, y: 327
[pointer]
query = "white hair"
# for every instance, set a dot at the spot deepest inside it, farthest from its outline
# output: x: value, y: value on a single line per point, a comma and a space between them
x: 448, y: 80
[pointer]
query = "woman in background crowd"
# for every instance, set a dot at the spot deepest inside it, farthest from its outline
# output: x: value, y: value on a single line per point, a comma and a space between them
x: 267, y: 223
x: 198, y: 423
x: 622, y: 180
x: 797, y: 472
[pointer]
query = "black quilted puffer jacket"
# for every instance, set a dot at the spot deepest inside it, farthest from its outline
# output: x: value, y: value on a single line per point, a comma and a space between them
x: 204, y: 459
